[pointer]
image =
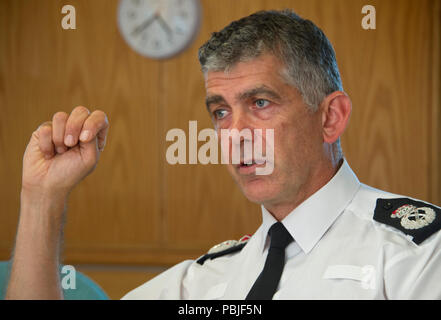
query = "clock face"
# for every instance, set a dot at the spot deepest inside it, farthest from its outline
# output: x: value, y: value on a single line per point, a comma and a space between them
x: 159, y: 28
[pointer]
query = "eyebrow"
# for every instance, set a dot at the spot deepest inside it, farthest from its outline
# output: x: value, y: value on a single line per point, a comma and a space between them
x: 257, y: 91
x: 217, y: 99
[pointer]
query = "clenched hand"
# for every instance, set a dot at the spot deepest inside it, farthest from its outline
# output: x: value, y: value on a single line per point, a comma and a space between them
x: 63, y: 151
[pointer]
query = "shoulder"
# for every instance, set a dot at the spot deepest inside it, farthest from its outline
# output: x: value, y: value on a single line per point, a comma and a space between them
x: 225, y: 248
x: 192, y: 278
x: 406, y: 217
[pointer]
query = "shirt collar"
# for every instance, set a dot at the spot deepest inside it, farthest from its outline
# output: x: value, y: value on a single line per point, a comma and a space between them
x: 312, y: 218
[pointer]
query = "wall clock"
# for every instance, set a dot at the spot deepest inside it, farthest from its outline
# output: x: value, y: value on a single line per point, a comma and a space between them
x: 159, y: 29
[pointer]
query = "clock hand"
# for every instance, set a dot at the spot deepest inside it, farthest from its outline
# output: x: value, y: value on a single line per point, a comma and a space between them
x: 144, y: 25
x: 165, y: 26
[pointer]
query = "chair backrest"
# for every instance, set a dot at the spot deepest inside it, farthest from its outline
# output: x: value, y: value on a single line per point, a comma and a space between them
x: 85, y: 288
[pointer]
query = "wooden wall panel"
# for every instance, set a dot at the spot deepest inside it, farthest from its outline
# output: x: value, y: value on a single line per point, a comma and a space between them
x: 435, y: 137
x: 138, y: 209
x: 388, y: 139
x: 45, y: 69
x: 116, y: 282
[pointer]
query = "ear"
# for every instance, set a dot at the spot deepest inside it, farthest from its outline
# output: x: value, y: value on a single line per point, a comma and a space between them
x: 336, y: 109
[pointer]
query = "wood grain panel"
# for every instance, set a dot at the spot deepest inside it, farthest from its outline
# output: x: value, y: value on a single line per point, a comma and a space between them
x: 390, y: 83
x: 127, y: 203
x: 435, y: 171
x: 45, y: 69
x: 116, y: 281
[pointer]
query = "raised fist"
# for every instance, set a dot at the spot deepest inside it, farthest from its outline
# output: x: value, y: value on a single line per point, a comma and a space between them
x: 63, y: 151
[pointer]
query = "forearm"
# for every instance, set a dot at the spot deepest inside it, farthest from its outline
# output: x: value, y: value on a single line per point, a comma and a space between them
x: 34, y: 273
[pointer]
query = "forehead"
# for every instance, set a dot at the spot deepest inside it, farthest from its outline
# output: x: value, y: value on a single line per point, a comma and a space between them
x: 265, y: 70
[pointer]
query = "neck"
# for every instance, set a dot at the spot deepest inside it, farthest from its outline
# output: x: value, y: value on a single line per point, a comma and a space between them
x: 319, y: 177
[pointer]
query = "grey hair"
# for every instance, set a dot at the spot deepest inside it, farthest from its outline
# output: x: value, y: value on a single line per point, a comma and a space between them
x: 304, y: 50
x: 300, y: 45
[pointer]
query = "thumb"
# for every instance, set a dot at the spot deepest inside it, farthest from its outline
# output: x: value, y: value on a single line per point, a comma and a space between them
x: 90, y: 153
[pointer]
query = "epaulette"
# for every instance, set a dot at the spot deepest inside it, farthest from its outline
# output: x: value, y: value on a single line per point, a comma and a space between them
x: 415, y: 218
x: 226, y: 247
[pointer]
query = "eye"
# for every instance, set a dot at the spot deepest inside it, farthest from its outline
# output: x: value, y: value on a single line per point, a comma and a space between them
x: 220, y: 114
x: 261, y: 103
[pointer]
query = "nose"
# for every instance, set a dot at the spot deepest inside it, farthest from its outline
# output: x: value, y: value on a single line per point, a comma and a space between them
x: 240, y: 136
x: 240, y: 121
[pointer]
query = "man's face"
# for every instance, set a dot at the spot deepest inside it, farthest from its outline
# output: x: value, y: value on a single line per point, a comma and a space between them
x: 254, y: 95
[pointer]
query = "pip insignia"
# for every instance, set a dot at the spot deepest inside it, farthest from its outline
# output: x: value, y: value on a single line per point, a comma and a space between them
x: 226, y: 247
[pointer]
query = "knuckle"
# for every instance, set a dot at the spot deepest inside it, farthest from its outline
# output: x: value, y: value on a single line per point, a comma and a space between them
x: 99, y: 112
x: 60, y: 115
x: 45, y: 128
x: 76, y: 120
x: 101, y: 115
x: 81, y: 110
x: 96, y: 122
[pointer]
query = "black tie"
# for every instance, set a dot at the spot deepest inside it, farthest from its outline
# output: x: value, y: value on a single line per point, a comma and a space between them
x: 268, y: 280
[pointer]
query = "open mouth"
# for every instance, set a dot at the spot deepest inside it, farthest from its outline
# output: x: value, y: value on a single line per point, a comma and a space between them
x: 248, y: 167
x: 242, y: 164
x: 247, y: 163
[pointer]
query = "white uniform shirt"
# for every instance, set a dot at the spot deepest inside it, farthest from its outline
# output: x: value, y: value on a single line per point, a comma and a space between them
x: 339, y: 252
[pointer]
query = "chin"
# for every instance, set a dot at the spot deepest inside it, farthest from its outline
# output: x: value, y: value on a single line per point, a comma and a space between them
x: 258, y: 190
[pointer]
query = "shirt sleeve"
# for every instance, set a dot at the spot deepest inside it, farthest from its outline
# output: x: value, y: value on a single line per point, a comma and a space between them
x: 415, y: 273
x: 166, y: 286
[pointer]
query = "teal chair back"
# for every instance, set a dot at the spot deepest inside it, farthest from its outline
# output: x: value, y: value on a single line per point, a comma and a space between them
x: 85, y: 288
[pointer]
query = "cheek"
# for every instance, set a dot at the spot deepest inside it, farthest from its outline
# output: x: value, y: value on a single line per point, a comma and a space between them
x: 296, y: 140
x: 287, y: 134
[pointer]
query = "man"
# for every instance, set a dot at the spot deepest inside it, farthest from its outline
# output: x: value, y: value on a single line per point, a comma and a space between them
x: 323, y: 234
